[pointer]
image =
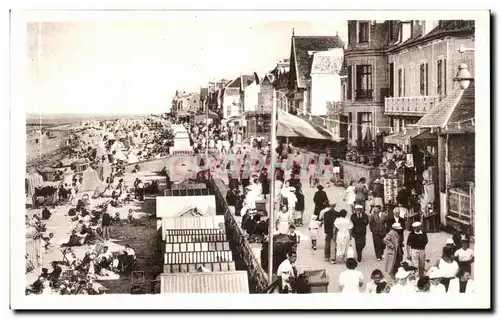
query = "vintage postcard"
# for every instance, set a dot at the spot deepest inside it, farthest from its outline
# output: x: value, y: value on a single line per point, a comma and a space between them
x: 165, y: 150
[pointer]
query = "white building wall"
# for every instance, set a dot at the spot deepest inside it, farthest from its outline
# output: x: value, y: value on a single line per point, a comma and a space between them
x: 324, y: 88
x: 252, y: 97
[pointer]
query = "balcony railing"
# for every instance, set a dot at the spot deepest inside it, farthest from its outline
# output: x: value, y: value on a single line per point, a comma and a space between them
x: 416, y: 105
x: 364, y: 94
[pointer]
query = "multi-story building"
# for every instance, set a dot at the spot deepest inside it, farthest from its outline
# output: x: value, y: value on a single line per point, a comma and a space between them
x: 240, y: 93
x: 396, y: 71
x: 423, y: 60
x: 280, y: 82
x: 366, y: 80
x: 302, y: 51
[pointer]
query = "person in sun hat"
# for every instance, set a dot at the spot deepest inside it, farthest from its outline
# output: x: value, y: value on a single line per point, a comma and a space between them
x: 320, y: 200
x: 415, y: 247
x: 402, y: 285
x: 393, y: 249
x: 435, y: 280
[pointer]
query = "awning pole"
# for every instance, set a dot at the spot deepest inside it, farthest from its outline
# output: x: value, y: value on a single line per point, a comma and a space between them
x: 272, y: 186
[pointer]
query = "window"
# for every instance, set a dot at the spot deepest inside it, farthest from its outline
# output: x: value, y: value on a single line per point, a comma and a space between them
x: 363, y: 32
x: 365, y: 132
x: 401, y: 82
x: 424, y: 79
x: 349, y: 82
x: 363, y: 82
x: 349, y: 126
x: 440, y: 77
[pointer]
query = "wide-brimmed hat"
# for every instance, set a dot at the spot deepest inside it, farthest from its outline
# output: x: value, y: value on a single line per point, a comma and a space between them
x: 320, y: 187
x: 450, y: 241
x: 402, y: 273
x: 416, y: 224
x: 396, y: 226
x: 358, y: 207
x: 434, y: 273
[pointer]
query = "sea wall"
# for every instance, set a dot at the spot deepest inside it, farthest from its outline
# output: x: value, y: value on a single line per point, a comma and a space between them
x: 258, y: 278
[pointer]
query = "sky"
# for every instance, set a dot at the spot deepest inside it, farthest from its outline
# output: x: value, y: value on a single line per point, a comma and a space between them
x: 135, y: 66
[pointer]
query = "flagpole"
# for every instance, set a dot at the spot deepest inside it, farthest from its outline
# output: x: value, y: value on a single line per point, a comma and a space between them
x: 272, y: 191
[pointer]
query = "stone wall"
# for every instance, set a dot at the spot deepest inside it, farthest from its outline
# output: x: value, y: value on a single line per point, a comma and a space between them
x: 354, y: 171
x: 258, y: 278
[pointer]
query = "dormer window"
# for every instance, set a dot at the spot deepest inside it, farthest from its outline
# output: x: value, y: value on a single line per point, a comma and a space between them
x: 363, y: 32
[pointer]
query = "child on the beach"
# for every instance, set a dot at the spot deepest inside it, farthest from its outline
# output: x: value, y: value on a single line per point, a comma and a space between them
x: 314, y: 225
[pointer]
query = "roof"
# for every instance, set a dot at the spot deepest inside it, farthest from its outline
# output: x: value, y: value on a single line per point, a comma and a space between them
x: 405, y: 137
x: 246, y: 79
x: 205, y: 282
x: 456, y: 107
x: 301, y: 45
x: 445, y: 27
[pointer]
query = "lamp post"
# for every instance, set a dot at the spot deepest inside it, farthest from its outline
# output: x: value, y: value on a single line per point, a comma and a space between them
x: 272, y: 191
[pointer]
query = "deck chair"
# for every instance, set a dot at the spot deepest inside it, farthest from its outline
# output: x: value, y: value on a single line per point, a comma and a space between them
x: 65, y: 252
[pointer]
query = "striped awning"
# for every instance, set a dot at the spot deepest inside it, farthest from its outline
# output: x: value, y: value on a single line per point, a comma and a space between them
x: 205, y: 283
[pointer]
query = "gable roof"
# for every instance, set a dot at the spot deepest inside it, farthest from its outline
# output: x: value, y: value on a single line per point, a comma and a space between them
x: 245, y: 79
x: 300, y: 47
x: 456, y: 107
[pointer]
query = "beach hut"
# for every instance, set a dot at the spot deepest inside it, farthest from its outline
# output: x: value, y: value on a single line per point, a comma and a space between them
x: 46, y: 194
x: 48, y: 173
x: 90, y: 180
x: 33, y: 180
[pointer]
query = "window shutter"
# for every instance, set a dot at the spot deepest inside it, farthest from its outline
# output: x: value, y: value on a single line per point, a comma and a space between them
x: 427, y: 79
x: 445, y: 83
x: 404, y: 82
x: 349, y: 82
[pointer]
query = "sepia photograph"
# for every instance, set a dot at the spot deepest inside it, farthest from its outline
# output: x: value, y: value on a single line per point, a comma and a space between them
x: 193, y: 154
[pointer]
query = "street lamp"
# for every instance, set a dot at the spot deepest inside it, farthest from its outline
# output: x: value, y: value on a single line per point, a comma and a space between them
x: 463, y: 76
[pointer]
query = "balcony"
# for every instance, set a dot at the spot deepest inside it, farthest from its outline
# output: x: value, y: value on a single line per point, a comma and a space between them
x: 410, y: 106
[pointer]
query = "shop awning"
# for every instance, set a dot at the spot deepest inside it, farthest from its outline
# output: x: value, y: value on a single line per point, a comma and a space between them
x: 406, y: 136
x: 293, y: 126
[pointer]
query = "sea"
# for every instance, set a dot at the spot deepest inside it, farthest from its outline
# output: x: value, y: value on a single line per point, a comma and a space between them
x: 39, y: 120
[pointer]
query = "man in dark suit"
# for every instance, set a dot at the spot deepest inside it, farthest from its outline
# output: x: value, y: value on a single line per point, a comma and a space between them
x: 378, y: 229
x: 359, y: 221
x: 328, y: 216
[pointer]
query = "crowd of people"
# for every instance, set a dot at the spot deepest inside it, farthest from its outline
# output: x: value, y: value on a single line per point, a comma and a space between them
x: 93, y: 216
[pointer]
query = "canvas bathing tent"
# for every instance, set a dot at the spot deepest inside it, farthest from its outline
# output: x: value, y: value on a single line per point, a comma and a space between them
x: 90, y: 180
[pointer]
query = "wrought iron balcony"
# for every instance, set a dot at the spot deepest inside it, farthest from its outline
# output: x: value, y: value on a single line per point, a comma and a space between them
x: 364, y: 94
x: 416, y: 105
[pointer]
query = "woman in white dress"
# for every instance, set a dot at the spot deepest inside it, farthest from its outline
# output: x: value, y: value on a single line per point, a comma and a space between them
x: 291, y: 200
x: 350, y: 196
x: 350, y: 280
x: 448, y: 267
x: 344, y: 227
x: 283, y: 220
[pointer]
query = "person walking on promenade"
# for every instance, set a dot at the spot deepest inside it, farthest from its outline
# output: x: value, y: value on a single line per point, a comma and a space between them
x: 320, y: 200
x: 328, y: 217
x: 350, y: 196
x: 299, y: 206
x: 393, y: 250
x: 415, y: 247
x: 378, y: 229
x: 361, y: 191
x: 359, y: 221
x: 343, y: 226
